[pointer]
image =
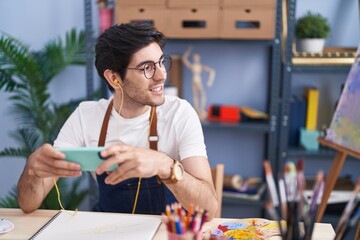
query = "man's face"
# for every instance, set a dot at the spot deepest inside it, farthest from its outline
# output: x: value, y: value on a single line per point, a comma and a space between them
x: 140, y: 90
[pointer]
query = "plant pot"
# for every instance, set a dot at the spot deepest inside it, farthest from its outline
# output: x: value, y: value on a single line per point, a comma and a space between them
x: 315, y: 45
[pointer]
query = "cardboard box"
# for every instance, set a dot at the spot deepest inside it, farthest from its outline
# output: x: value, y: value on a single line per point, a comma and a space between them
x: 193, y: 23
x: 248, y: 3
x: 154, y: 16
x: 193, y: 3
x: 140, y: 3
x: 247, y: 23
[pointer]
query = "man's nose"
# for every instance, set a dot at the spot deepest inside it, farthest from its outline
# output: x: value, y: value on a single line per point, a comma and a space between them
x: 160, y: 72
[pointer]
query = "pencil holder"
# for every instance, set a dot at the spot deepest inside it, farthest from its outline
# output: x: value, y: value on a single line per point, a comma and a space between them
x: 185, y: 236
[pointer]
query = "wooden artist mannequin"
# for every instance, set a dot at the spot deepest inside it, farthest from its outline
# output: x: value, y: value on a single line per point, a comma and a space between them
x: 199, y: 95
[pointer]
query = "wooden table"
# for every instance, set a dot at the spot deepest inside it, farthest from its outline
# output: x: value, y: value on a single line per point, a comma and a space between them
x: 27, y: 224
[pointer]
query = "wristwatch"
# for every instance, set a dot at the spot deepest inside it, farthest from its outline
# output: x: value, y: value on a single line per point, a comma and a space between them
x: 176, y: 172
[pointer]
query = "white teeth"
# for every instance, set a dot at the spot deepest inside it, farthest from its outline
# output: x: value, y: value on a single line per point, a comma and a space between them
x: 158, y: 89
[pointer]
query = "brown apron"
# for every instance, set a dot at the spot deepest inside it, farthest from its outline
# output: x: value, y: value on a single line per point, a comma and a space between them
x: 153, y: 195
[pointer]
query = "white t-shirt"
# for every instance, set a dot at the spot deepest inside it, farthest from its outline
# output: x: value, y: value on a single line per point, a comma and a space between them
x: 179, y: 128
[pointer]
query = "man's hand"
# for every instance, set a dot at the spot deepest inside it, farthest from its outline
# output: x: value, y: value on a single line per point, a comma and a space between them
x: 36, y: 180
x: 134, y: 162
x: 46, y: 161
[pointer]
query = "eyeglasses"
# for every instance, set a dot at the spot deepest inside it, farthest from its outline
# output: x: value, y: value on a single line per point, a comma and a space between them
x: 149, y: 68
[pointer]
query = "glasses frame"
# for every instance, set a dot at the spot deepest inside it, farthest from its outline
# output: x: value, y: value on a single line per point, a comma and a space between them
x: 164, y: 57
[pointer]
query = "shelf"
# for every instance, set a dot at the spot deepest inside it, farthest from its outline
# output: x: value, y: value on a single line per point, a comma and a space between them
x: 242, y: 202
x: 241, y: 41
x: 261, y: 127
x: 331, y: 59
x: 323, y: 153
x: 318, y: 68
x: 300, y: 152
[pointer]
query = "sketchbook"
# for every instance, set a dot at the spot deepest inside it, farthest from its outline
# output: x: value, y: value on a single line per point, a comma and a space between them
x: 95, y: 225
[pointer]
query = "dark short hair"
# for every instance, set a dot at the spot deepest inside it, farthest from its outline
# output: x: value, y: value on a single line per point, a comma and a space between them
x: 116, y: 46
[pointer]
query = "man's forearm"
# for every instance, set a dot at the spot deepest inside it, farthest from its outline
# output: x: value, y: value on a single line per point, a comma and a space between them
x: 31, y: 191
x: 191, y: 190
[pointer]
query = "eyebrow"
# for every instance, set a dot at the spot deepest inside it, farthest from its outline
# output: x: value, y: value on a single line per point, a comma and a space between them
x: 143, y: 62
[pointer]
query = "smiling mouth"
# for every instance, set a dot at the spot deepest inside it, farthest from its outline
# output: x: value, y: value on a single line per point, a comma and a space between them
x: 157, y: 89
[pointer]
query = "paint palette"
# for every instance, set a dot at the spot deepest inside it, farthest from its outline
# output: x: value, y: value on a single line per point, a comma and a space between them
x: 251, y: 228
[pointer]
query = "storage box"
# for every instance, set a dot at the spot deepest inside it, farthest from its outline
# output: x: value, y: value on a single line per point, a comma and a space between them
x: 193, y: 3
x: 247, y: 23
x: 248, y: 3
x: 139, y: 3
x: 154, y: 16
x: 308, y: 139
x: 193, y: 23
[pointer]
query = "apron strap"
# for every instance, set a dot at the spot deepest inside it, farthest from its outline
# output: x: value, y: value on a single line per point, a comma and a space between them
x: 153, y: 137
x: 105, y: 125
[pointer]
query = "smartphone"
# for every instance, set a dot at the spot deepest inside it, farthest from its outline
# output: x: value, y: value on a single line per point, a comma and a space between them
x: 88, y: 157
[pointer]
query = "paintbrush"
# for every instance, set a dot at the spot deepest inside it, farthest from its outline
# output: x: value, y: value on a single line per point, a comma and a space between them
x: 290, y: 190
x: 349, y: 222
x: 283, y: 199
x: 271, y: 184
x: 274, y: 215
x: 316, y: 188
x: 300, y: 179
x: 349, y: 206
x: 290, y: 181
x: 300, y: 199
x: 315, y: 201
x: 273, y: 194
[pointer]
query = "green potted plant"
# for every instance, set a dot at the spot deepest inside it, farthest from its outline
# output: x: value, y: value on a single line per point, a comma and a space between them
x: 26, y: 75
x: 311, y: 31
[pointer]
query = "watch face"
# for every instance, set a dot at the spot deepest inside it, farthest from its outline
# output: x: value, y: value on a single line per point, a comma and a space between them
x: 178, y: 172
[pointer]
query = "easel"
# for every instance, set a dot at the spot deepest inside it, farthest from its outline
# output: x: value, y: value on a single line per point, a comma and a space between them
x: 332, y: 175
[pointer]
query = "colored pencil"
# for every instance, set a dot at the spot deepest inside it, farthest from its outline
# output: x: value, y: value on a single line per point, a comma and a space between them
x: 189, y: 214
x: 178, y: 223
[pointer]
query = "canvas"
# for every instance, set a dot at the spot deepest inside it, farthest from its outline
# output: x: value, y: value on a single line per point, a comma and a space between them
x: 345, y: 125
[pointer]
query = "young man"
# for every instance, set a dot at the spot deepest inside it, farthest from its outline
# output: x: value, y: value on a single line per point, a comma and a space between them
x: 156, y: 140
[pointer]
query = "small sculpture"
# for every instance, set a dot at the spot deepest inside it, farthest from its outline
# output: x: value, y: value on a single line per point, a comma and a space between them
x: 199, y: 95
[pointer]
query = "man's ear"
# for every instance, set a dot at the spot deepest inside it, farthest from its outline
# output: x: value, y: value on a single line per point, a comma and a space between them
x: 112, y: 78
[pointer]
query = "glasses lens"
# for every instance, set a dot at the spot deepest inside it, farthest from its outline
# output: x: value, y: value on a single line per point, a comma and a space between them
x: 149, y: 69
x: 165, y: 63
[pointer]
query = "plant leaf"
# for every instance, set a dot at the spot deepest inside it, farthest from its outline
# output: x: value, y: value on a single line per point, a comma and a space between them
x: 14, y: 152
x: 10, y: 201
x: 26, y: 75
x: 17, y: 64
